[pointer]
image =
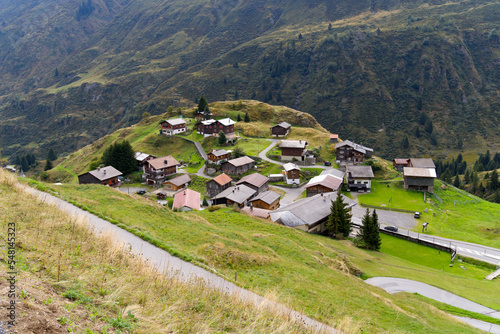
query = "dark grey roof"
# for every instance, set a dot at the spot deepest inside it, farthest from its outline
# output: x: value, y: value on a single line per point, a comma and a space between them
x: 308, y: 211
x: 360, y: 171
x: 267, y: 197
x: 241, y: 161
x: 238, y: 194
x: 105, y: 173
x: 422, y: 163
x: 179, y: 180
x: 337, y: 173
x: 255, y: 179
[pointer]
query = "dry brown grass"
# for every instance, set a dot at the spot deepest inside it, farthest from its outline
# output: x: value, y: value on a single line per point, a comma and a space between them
x: 61, y: 251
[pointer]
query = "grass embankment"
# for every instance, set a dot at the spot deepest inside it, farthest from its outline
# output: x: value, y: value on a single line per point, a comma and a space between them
x: 307, y: 272
x: 71, y: 281
x: 459, y: 216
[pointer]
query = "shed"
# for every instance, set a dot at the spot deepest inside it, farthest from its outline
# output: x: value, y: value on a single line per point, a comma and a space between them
x: 178, y: 182
x: 268, y: 200
x: 281, y: 130
x: 238, y: 166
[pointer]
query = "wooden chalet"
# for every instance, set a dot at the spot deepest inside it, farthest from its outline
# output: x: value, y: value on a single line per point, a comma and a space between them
x: 218, y: 156
x: 352, y: 152
x: 334, y: 138
x: 268, y: 200
x: 292, y: 173
x: 238, y: 166
x: 212, y: 127
x: 420, y: 175
x: 174, y: 126
x: 293, y: 149
x: 238, y: 195
x: 359, y: 178
x: 157, y: 170
x: 323, y: 184
x: 107, y: 176
x: 141, y: 159
x: 399, y: 164
x: 202, y: 115
x: 281, y: 130
x: 177, y: 183
x: 218, y: 185
x: 256, y: 181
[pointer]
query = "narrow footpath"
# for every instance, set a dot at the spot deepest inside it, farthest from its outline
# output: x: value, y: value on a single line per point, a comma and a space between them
x: 172, y: 266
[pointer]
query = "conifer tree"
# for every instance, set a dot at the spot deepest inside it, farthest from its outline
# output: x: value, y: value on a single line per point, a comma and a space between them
x: 375, y: 241
x: 345, y: 225
x: 456, y: 182
x: 51, y: 155
x: 203, y: 104
x: 332, y: 224
x: 222, y: 138
x: 238, y: 119
x: 48, y: 165
x: 246, y: 118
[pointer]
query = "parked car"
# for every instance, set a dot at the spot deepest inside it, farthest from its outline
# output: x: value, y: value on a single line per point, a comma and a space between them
x: 416, y: 215
x: 140, y: 192
x: 391, y: 228
x: 328, y: 163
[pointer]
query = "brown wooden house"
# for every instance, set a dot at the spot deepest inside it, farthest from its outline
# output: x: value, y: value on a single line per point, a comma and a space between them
x: 399, y: 164
x: 218, y: 185
x: 107, y: 176
x: 334, y: 138
x: 268, y: 200
x: 281, y: 130
x: 174, y: 126
x: 178, y: 182
x: 238, y: 166
x: 157, y: 170
x: 352, y: 153
x: 255, y: 181
x: 212, y: 127
x: 421, y: 179
x: 238, y: 195
x: 292, y: 173
x: 293, y: 149
x: 323, y: 184
x: 202, y: 116
x: 218, y: 156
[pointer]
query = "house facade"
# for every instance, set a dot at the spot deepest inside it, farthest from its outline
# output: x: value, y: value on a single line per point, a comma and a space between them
x: 256, y: 181
x: 218, y: 156
x: 218, y: 185
x: 359, y: 178
x: 268, y: 200
x: 292, y: 173
x: 141, y: 159
x: 174, y: 126
x: 212, y: 127
x: 399, y: 164
x: 281, y: 130
x: 157, y: 170
x: 107, y: 176
x: 177, y: 183
x: 293, y: 150
x: 323, y: 184
x: 421, y: 179
x: 352, y: 153
x: 238, y: 166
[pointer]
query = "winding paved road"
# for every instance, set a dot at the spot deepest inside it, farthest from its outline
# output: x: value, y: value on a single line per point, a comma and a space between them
x: 172, y: 266
x: 394, y: 285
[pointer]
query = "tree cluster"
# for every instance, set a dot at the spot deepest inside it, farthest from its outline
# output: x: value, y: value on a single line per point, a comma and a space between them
x: 369, y: 234
x: 84, y: 10
x: 339, y: 221
x: 26, y: 162
x: 121, y: 156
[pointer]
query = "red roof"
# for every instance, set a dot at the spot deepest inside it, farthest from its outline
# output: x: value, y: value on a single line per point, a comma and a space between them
x: 334, y: 136
x: 187, y: 198
x: 257, y: 212
x: 222, y: 179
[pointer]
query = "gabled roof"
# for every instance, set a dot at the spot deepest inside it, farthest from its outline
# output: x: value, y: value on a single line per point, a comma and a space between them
x: 334, y: 136
x: 400, y: 161
x: 360, y: 171
x: 326, y: 180
x: 419, y: 172
x: 179, y: 180
x: 268, y: 197
x: 357, y: 147
x: 105, y: 173
x: 139, y: 156
x: 257, y: 212
x: 293, y: 144
x: 290, y: 166
x: 187, y: 198
x: 241, y: 161
x: 336, y: 173
x: 256, y: 179
x: 237, y: 194
x: 308, y: 211
x: 222, y: 179
x: 219, y: 153
x: 174, y: 121
x: 226, y: 121
x: 163, y: 162
x: 422, y: 163
x: 283, y: 125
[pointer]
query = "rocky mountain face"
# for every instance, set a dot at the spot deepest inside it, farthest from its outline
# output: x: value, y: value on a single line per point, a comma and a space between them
x: 377, y: 72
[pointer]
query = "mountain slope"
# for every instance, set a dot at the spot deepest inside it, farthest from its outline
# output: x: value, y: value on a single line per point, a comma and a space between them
x: 368, y: 77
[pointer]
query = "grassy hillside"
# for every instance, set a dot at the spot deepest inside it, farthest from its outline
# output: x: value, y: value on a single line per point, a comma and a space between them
x: 365, y: 70
x: 307, y: 272
x: 70, y: 281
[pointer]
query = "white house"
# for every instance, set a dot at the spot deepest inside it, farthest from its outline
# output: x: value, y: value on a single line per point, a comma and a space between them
x: 292, y: 173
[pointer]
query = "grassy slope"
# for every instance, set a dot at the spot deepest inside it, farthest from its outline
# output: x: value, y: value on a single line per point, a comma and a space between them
x: 56, y: 255
x: 306, y: 271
